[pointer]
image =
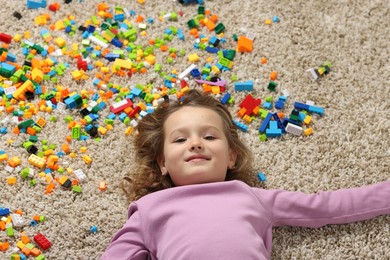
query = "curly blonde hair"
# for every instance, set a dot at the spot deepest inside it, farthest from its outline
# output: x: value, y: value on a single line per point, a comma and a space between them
x: 149, y: 144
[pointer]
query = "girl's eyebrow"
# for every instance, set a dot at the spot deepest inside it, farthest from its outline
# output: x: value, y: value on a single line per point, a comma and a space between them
x: 185, y: 129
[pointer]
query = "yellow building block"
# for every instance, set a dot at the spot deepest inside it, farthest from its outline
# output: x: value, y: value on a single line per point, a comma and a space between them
x: 36, y: 161
x: 27, y: 34
x: 307, y: 120
x: 14, y: 161
x: 11, y: 180
x: 76, y: 74
x: 40, y: 20
x: 19, y: 93
x: 3, y: 157
x: 142, y: 106
x: 59, y: 25
x: 308, y: 131
x: 126, y: 64
x: 193, y: 57
x: 17, y: 38
x: 41, y: 122
x: 37, y: 75
x: 20, y: 245
x: 99, y: 64
x: 102, y: 130
x: 129, y: 130
x: 151, y: 59
x: 216, y: 90
x: 60, y: 42
x: 87, y: 159
x: 105, y: 69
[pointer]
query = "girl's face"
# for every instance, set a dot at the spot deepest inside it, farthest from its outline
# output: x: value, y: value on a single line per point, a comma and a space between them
x: 195, y: 147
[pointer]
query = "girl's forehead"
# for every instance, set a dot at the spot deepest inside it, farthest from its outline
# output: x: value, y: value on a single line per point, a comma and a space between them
x: 191, y: 114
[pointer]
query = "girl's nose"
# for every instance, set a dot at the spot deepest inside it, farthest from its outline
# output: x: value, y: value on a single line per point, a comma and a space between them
x: 196, y: 144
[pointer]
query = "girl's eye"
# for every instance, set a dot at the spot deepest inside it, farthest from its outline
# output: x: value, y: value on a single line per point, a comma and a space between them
x: 210, y: 137
x: 180, y: 140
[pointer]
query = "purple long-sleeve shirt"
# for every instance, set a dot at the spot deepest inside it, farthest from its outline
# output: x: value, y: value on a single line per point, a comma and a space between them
x: 230, y: 220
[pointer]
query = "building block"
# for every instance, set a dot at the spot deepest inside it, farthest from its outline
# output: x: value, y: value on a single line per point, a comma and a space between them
x: 35, y: 4
x: 241, y: 126
x: 17, y: 220
x: 244, y: 44
x: 4, y: 212
x: 273, y: 130
x: 36, y: 161
x: 265, y: 123
x: 5, y: 38
x: 250, y: 103
x: 293, y: 129
x: 279, y: 122
x: 121, y: 105
x: 261, y: 177
x: 243, y: 86
x: 80, y: 176
x: 42, y: 241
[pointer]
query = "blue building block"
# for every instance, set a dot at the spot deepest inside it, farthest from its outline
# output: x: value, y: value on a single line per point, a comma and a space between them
x: 279, y: 104
x: 225, y: 98
x: 119, y: 17
x: 214, y: 41
x: 242, y: 86
x: 264, y: 124
x: 117, y: 43
x: 301, y: 106
x: 111, y: 116
x: 212, y: 49
x: 261, y: 177
x: 112, y: 56
x: 317, y: 110
x: 267, y: 105
x: 195, y: 73
x: 35, y: 4
x: 3, y: 130
x: 102, y: 105
x: 273, y: 130
x: 136, y: 92
x: 93, y: 229
x: 241, y: 126
x: 122, y: 116
x: 8, y: 67
x: 4, y: 211
x: 301, y: 116
x: 282, y: 98
x: 11, y: 57
x: 279, y: 122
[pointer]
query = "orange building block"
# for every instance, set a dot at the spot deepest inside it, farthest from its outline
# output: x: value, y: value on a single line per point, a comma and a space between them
x: 4, y: 246
x: 244, y: 44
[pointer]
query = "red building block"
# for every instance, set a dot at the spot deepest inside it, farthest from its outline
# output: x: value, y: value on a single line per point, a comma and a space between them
x: 250, y: 103
x: 42, y: 241
x: 5, y: 38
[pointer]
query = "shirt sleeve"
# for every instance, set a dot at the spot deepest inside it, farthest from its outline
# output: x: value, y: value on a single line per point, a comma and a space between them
x: 128, y: 242
x: 326, y: 207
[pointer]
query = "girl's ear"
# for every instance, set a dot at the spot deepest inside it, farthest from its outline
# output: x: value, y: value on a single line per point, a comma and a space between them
x: 232, y: 159
x: 161, y: 164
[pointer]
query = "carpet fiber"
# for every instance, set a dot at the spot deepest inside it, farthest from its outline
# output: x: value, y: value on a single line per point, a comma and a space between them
x: 349, y: 146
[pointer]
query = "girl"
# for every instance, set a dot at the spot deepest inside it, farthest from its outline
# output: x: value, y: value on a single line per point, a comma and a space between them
x: 194, y: 200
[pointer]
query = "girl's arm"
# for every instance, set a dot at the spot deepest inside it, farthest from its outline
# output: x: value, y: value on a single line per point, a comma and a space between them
x: 128, y: 242
x: 326, y: 207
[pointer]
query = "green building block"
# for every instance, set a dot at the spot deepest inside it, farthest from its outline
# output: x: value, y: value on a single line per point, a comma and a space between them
x: 76, y: 132
x: 219, y: 28
x: 272, y: 85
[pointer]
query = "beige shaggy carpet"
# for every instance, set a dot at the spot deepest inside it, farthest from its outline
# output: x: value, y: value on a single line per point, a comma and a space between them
x: 349, y: 146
